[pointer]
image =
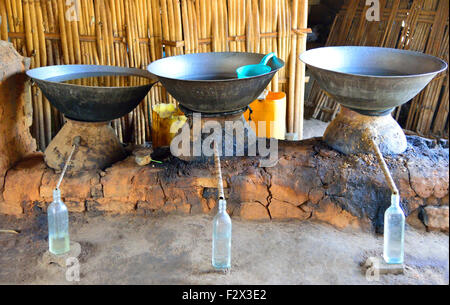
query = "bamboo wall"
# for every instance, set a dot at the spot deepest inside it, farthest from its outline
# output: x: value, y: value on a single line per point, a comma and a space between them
x: 419, y: 25
x: 134, y: 33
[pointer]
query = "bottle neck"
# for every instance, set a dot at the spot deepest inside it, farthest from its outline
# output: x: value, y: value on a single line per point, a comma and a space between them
x: 222, y: 206
x: 395, y: 200
x: 56, y: 195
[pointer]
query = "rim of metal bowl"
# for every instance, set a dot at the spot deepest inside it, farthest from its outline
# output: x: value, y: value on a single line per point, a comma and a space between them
x: 215, y: 80
x: 436, y: 59
x: 121, y: 71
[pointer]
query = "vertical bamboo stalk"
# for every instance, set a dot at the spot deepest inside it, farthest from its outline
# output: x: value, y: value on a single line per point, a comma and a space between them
x: 76, y: 40
x: 292, y: 69
x: 4, y: 22
x: 300, y: 70
x: 193, y: 16
x: 94, y: 46
x: 215, y: 26
x: 139, y: 32
x: 37, y: 63
x: 269, y: 10
x: 220, y: 24
x: 165, y: 24
x: 28, y: 31
x: 232, y: 23
x: 249, y: 31
x: 224, y: 27
x: 157, y: 28
x: 19, y: 23
x: 178, y: 24
x: 257, y: 27
x: 70, y: 38
x: 115, y: 33
x: 274, y: 45
x: 49, y: 28
x: 63, y: 32
x: 47, y: 115
x: 107, y: 43
x: 172, y: 30
x: 151, y: 31
x: 240, y: 24
x: 187, y: 33
x: 99, y: 33
x: 10, y: 16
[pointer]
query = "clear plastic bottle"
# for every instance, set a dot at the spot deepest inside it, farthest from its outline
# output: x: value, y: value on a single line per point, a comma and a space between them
x: 58, y: 225
x: 394, y: 232
x: 221, y: 248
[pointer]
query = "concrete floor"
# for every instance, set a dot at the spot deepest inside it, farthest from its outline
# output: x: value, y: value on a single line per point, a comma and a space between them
x: 177, y: 250
x: 313, y: 128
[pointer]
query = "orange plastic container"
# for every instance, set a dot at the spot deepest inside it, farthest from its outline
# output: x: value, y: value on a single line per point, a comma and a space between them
x: 271, y: 109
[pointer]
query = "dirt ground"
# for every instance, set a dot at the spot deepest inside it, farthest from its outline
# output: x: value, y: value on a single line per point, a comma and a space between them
x: 177, y: 250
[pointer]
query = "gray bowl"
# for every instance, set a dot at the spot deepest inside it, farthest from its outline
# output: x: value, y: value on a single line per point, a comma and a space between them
x: 88, y: 103
x: 208, y: 83
x: 370, y: 80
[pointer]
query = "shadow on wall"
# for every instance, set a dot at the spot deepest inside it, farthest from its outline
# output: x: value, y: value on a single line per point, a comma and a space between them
x: 320, y: 20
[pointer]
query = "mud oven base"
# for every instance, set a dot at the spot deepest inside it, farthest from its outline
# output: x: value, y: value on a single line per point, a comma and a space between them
x: 310, y: 181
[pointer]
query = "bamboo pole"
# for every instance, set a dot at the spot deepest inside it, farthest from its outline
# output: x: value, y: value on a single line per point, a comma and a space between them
x: 249, y: 31
x: 10, y: 16
x: 115, y: 33
x: 19, y: 24
x: 255, y: 26
x: 263, y: 20
x: 47, y: 112
x: 300, y: 70
x: 4, y: 22
x: 37, y: 63
x: 151, y: 30
x: 215, y: 25
x: 63, y: 33
x: 232, y: 24
x: 193, y: 15
x: 76, y: 41
x: 241, y: 46
x: 292, y: 71
x: 99, y: 33
x: 40, y: 34
x: 70, y: 38
x: 203, y: 23
x: 186, y: 28
x: 224, y: 27
x: 274, y: 41
x: 384, y: 168
x: 28, y: 31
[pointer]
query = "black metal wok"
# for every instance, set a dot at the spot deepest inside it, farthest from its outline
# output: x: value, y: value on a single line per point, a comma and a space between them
x: 88, y: 103
x: 208, y: 83
x: 370, y: 80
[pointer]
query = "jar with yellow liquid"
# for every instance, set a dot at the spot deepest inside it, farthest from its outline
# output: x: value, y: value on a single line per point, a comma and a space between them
x: 163, y: 117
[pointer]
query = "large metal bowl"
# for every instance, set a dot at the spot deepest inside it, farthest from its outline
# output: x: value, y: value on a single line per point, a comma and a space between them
x: 89, y: 103
x: 371, y: 80
x: 208, y: 83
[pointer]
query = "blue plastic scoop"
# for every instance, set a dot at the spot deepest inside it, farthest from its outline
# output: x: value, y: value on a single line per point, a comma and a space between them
x: 255, y: 70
